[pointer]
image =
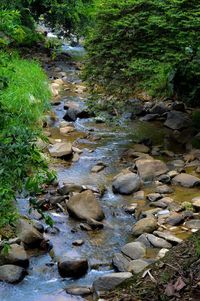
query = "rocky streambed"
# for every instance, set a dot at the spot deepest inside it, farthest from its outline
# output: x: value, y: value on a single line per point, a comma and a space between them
x: 125, y: 196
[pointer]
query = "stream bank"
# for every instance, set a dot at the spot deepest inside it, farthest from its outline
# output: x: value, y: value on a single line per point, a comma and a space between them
x: 96, y: 154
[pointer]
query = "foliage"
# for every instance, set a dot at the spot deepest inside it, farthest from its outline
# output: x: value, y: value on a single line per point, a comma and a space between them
x: 24, y: 97
x: 54, y: 46
x: 149, y: 45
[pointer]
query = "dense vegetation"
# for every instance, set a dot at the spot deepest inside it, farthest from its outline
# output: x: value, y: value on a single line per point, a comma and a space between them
x: 146, y: 45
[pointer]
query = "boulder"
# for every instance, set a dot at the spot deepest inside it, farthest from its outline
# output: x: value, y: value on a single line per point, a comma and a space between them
x: 178, y: 106
x: 168, y: 236
x: 193, y: 224
x: 110, y: 281
x: 137, y: 266
x: 158, y: 242
x: 186, y: 180
x: 68, y: 188
x: 143, y: 239
x: 127, y: 183
x: 159, y: 108
x: 60, y: 149
x: 16, y: 255
x: 175, y: 219
x: 164, y: 189
x: 85, y: 206
x: 71, y: 266
x: 75, y: 111
x: 141, y: 148
x: 196, y: 203
x: 149, y: 169
x: 134, y: 250
x: 28, y: 234
x: 177, y: 120
x: 12, y: 273
x: 153, y: 197
x: 120, y: 262
x: 149, y: 117
x: 145, y: 225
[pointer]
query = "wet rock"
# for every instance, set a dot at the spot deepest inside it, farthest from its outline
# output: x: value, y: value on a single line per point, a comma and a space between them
x: 177, y: 120
x: 152, y: 197
x: 137, y: 266
x: 73, y: 113
x: 28, y: 234
x: 120, y: 262
x: 52, y: 230
x: 72, y: 267
x: 186, y: 180
x: 145, y: 225
x: 126, y: 184
x: 94, y: 224
x: 169, y: 237
x: 172, y: 173
x: 166, y: 179
x: 97, y: 168
x: 158, y: 242
x: 167, y: 153
x: 67, y: 130
x: 110, y: 281
x: 139, y: 195
x: 143, y: 239
x: 79, y: 290
x: 136, y: 108
x: 178, y: 106
x: 12, y: 273
x: 38, y: 226
x: 53, y: 200
x: 159, y: 204
x: 68, y: 188
x: 148, y: 169
x: 130, y: 208
x: 149, y: 117
x: 196, y: 203
x: 159, y: 108
x: 134, y: 250
x: 85, y: 206
x: 61, y: 149
x: 193, y: 224
x: 150, y: 212
x: 141, y: 148
x: 16, y: 255
x: 175, y: 219
x: 78, y: 242
x: 164, y: 189
x: 85, y: 227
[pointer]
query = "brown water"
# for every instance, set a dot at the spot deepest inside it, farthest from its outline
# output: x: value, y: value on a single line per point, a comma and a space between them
x: 43, y: 282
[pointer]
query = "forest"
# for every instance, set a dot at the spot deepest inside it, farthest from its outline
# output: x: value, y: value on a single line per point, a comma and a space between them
x: 100, y: 150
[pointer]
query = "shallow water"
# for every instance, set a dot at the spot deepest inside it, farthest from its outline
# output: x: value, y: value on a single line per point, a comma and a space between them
x: 43, y: 282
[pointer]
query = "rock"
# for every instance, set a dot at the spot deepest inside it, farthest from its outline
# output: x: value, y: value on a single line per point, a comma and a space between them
x: 61, y: 149
x: 162, y: 203
x: 162, y: 253
x: 120, y: 262
x: 110, y: 281
x: 172, y: 173
x: 28, y: 234
x: 78, y: 242
x: 12, y: 273
x: 145, y: 225
x: 85, y: 227
x: 75, y: 112
x: 97, y: 168
x: 178, y: 106
x: 139, y: 195
x: 167, y: 153
x: 177, y: 120
x: 38, y: 226
x: 126, y: 184
x: 52, y: 230
x: 70, y: 266
x: 66, y: 130
x: 79, y: 290
x: 168, y: 236
x: 158, y: 242
x: 67, y: 188
x: 16, y: 256
x: 94, y: 224
x: 149, y: 117
x: 152, y: 197
x: 164, y: 189
x: 166, y: 179
x: 186, y: 180
x: 159, y: 108
x: 134, y: 250
x: 175, y: 219
x: 85, y: 206
x: 150, y: 212
x: 130, y: 208
x: 141, y: 148
x: 149, y: 169
x: 137, y: 266
x: 53, y: 200
x: 143, y: 239
x: 196, y: 203
x: 193, y: 224
x: 136, y: 108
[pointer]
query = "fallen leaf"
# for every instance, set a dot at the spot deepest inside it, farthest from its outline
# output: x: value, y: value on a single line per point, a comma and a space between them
x: 179, y: 285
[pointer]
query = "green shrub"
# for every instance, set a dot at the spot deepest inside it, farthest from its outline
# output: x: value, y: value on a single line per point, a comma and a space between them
x: 149, y: 45
x: 24, y: 97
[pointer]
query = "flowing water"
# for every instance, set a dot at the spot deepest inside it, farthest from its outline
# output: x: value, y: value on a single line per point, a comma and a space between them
x: 99, y: 143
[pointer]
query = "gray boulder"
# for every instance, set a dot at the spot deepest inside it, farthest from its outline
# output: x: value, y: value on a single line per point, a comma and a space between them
x: 16, y: 255
x: 85, y: 206
x: 149, y: 169
x: 61, y: 149
x: 127, y: 183
x: 177, y: 120
x: 186, y: 180
x: 70, y: 266
x: 12, y: 273
x: 145, y: 225
x: 134, y: 250
x: 158, y: 242
x: 28, y: 234
x: 137, y: 266
x: 120, y: 262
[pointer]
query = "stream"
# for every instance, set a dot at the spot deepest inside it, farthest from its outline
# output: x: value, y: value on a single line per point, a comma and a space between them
x: 98, y: 142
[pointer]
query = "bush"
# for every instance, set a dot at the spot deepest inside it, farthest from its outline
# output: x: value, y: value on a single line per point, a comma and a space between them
x: 149, y: 45
x: 24, y: 97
